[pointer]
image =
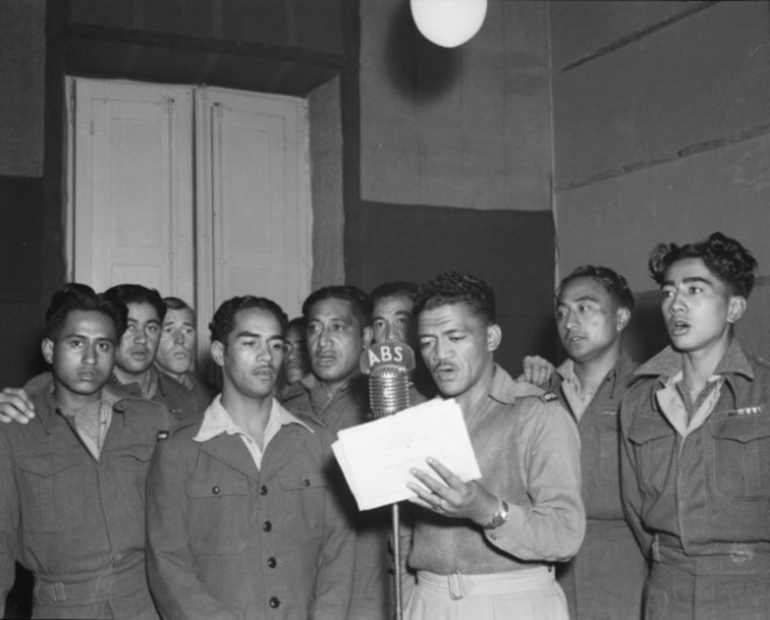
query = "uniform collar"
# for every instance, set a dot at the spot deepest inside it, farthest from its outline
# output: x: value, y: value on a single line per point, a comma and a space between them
x: 506, y: 391
x: 623, y: 367
x: 51, y: 409
x: 217, y: 421
x: 668, y: 363
x: 133, y: 388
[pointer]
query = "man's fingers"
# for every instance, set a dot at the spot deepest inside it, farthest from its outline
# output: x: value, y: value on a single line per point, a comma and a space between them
x: 429, y: 482
x: 447, y: 475
x: 15, y: 405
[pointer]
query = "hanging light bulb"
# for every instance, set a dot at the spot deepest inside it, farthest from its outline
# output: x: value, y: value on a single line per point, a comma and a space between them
x: 448, y: 23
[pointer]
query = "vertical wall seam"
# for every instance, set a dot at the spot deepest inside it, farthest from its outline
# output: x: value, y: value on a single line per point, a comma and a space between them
x: 552, y: 175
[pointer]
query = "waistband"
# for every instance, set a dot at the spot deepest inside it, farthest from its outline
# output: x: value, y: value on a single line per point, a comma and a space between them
x: 612, y: 529
x: 730, y: 559
x: 457, y: 585
x: 109, y: 584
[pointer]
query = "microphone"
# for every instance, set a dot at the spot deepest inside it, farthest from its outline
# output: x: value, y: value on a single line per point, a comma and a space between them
x: 388, y: 365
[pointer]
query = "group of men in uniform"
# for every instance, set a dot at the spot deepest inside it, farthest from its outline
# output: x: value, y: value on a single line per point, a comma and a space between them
x: 131, y: 491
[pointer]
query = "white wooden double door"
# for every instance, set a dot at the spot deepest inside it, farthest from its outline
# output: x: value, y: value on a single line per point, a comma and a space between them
x: 202, y: 193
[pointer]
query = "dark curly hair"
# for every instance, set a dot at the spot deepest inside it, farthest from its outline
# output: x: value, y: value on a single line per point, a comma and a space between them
x: 452, y: 287
x: 223, y: 321
x: 74, y: 296
x: 615, y: 284
x: 361, y: 302
x: 726, y: 258
x: 137, y: 294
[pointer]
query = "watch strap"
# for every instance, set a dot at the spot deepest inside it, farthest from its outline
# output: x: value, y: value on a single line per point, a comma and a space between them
x: 500, y: 517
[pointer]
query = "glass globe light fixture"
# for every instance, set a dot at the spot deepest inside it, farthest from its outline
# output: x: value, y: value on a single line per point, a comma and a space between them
x: 448, y: 23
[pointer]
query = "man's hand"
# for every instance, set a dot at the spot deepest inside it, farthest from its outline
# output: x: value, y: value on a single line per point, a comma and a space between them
x: 537, y: 370
x: 451, y: 496
x: 15, y: 405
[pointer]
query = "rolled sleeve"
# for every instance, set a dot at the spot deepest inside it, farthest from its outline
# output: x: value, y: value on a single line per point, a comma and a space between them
x: 551, y: 526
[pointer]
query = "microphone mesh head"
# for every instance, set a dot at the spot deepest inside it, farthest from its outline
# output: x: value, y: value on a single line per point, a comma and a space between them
x: 388, y: 390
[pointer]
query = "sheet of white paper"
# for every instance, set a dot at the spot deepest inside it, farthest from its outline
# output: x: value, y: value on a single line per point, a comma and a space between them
x: 376, y: 457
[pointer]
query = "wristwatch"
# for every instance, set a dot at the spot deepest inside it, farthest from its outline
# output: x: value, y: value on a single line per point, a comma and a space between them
x: 500, y: 517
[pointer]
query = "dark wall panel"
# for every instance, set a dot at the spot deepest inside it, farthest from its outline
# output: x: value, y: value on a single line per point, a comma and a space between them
x: 314, y: 25
x: 21, y: 201
x: 22, y: 57
x: 21, y: 261
x: 512, y: 250
x: 699, y: 82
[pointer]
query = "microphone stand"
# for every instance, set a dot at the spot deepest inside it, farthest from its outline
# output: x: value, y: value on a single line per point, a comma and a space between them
x: 397, y: 559
x: 389, y: 394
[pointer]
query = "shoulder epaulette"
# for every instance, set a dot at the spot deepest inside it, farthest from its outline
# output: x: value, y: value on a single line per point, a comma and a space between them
x: 178, y: 426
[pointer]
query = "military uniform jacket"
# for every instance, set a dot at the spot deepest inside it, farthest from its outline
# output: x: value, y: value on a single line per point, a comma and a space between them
x: 705, y: 495
x: 349, y: 406
x: 227, y: 540
x: 606, y: 578
x: 70, y: 519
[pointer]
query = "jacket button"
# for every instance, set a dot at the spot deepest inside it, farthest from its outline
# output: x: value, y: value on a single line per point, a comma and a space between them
x: 215, y: 490
x: 274, y: 602
x: 263, y: 491
x: 271, y: 563
x: 306, y: 482
x: 267, y: 526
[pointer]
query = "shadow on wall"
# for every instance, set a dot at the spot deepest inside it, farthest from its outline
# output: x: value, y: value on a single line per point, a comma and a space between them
x: 646, y: 335
x: 417, y: 67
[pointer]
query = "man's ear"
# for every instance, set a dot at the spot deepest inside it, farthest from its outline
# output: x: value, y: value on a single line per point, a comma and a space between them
x: 735, y: 308
x: 494, y: 337
x: 622, y: 317
x: 47, y: 347
x: 367, y: 336
x: 218, y: 353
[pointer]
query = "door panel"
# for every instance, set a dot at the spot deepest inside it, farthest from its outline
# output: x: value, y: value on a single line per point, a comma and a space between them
x: 228, y: 216
x: 133, y: 186
x: 255, y: 204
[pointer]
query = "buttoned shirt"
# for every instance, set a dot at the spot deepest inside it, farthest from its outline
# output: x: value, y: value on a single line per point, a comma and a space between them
x: 216, y: 421
x: 93, y: 422
x: 346, y: 406
x: 528, y: 451
x: 182, y: 403
x: 574, y: 394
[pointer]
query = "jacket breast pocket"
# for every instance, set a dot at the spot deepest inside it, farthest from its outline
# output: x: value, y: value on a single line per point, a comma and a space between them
x: 742, y: 455
x: 654, y: 445
x: 133, y: 463
x: 51, y: 493
x: 219, y: 513
x: 305, y: 493
x: 607, y: 430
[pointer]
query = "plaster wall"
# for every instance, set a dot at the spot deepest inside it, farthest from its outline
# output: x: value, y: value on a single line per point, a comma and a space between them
x: 467, y: 127
x: 662, y: 134
x: 456, y: 162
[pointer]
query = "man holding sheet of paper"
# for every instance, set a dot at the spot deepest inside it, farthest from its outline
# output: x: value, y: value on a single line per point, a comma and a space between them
x: 485, y: 548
